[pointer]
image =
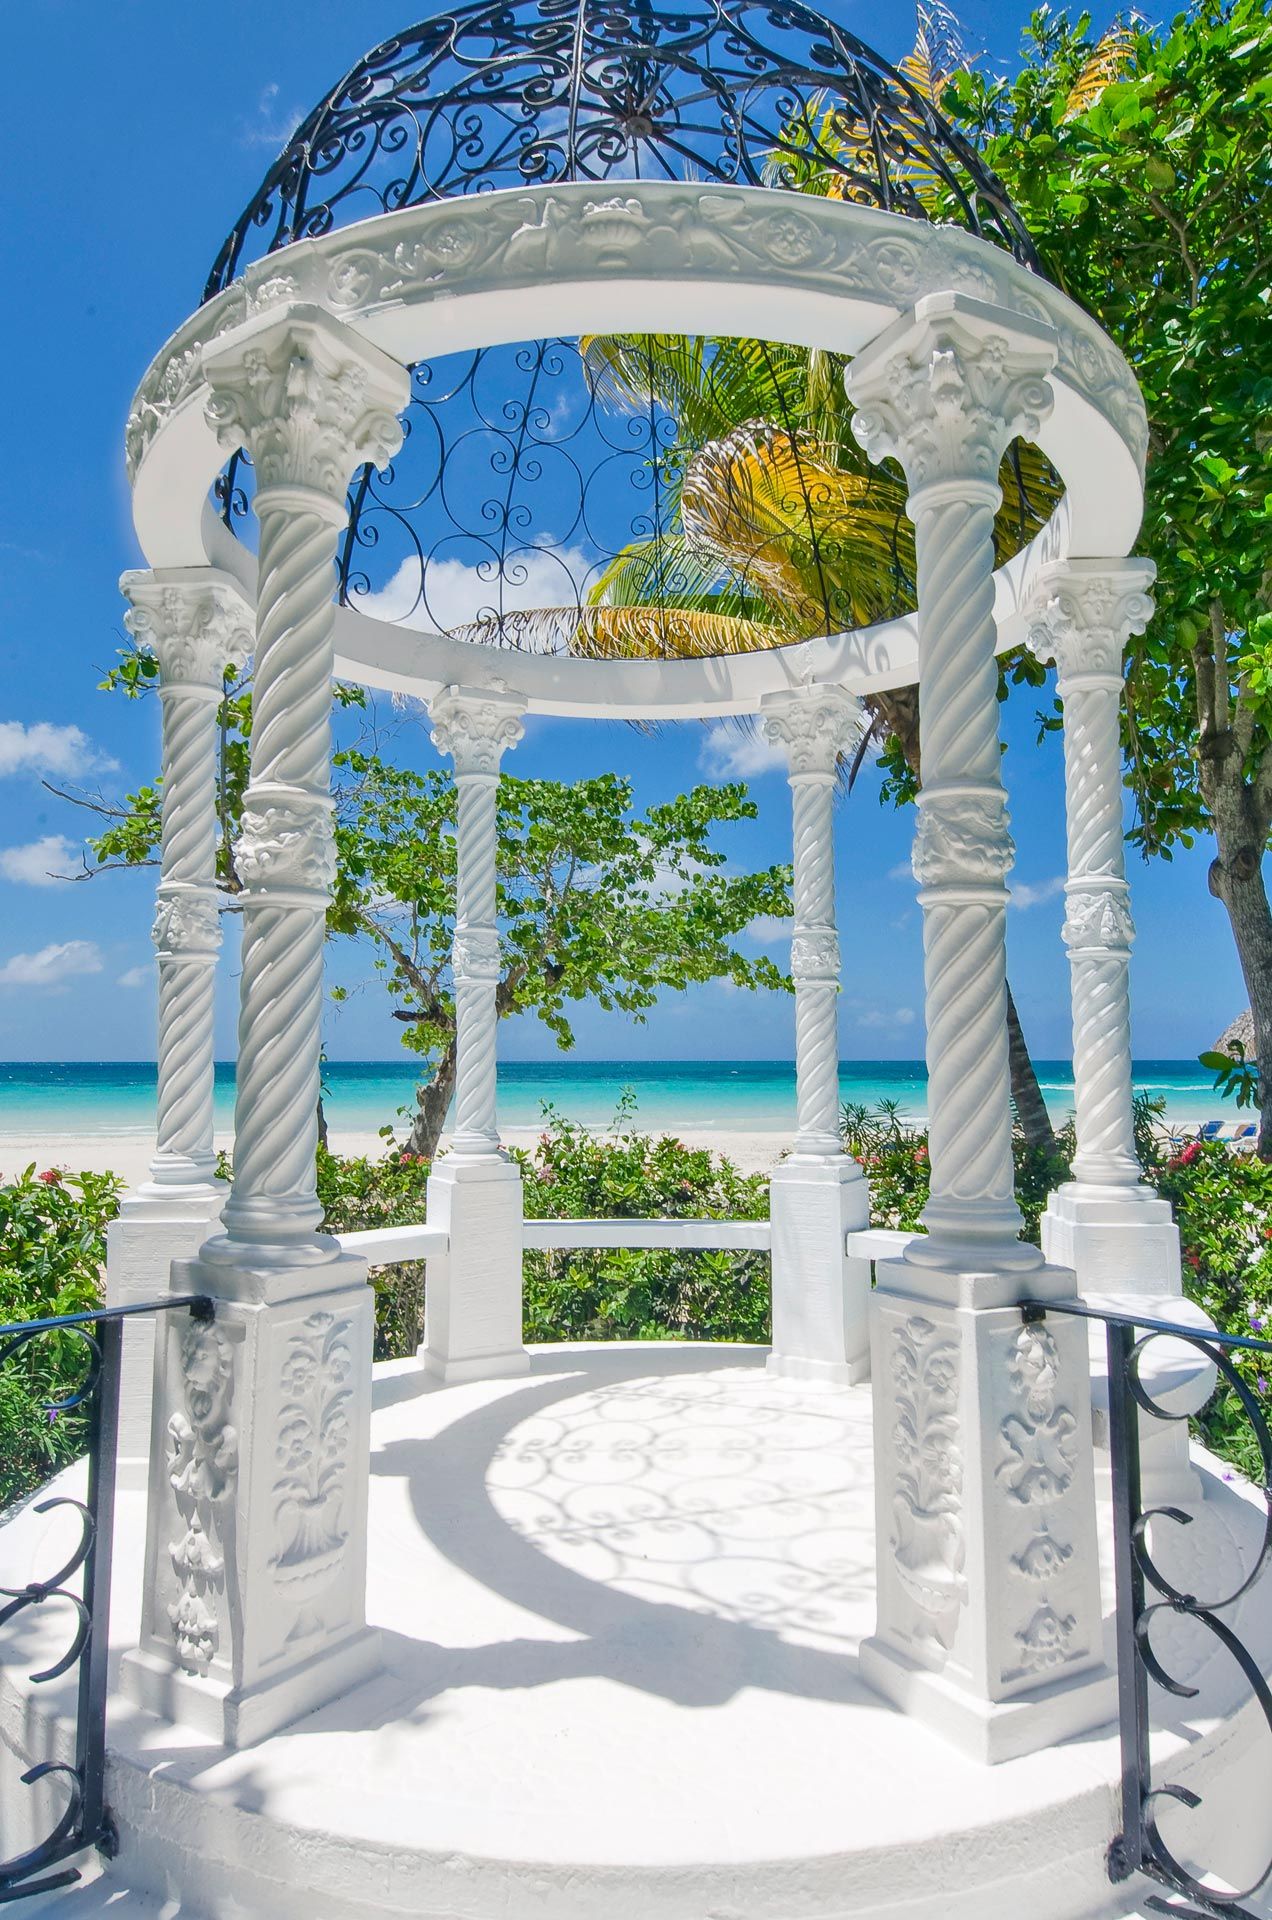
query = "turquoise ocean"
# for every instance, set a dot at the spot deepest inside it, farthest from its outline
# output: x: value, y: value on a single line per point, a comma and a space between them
x: 104, y: 1098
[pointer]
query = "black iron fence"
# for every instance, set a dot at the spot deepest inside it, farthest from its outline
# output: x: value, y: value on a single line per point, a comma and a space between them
x: 81, y: 1585
x: 1145, y: 1592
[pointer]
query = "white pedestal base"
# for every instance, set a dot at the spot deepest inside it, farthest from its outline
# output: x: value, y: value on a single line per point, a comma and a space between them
x: 156, y: 1225
x: 1177, y: 1378
x: 254, y: 1593
x: 821, y: 1298
x: 472, y: 1296
x: 1115, y: 1239
x: 989, y: 1624
x: 990, y: 1731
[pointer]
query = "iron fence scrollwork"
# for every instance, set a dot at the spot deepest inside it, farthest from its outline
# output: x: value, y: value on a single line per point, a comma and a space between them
x: 85, y: 1820
x: 1146, y: 1593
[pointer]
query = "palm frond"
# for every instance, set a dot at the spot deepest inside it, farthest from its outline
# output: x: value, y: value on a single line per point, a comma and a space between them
x: 623, y: 633
x: 1109, y: 60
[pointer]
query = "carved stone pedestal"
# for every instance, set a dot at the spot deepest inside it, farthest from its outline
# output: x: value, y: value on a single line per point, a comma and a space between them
x: 1118, y: 1239
x: 156, y: 1225
x: 472, y: 1299
x: 821, y: 1298
x: 989, y: 1623
x: 254, y: 1609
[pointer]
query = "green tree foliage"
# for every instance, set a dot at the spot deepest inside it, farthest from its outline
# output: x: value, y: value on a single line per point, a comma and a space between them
x: 596, y: 900
x: 1142, y: 165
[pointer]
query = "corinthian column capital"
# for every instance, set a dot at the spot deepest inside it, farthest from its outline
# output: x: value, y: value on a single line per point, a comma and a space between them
x: 1082, y: 613
x: 815, y: 724
x: 476, y: 726
x: 310, y: 399
x: 195, y: 620
x: 947, y: 387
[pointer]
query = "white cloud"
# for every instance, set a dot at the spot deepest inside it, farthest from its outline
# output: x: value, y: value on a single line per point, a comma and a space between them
x: 40, y: 863
x: 902, y: 871
x: 52, y: 965
x: 137, y: 977
x: 766, y: 929
x: 458, y: 594
x: 273, y: 126
x: 737, y: 753
x: 886, y: 1017
x: 1024, y: 895
x: 44, y: 747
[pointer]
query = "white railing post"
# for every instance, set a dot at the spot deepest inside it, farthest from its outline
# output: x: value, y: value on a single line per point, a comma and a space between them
x: 988, y: 1622
x: 820, y: 1297
x: 473, y: 1297
x: 197, y: 623
x: 253, y: 1608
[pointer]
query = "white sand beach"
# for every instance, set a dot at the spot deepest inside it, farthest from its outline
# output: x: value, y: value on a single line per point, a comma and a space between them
x: 128, y: 1153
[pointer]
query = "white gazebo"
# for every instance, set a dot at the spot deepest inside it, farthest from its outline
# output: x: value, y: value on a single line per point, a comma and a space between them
x: 677, y: 1631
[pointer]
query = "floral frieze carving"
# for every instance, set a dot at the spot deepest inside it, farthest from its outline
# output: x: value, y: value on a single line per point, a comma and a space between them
x: 669, y: 230
x: 311, y: 1453
x: 962, y: 839
x: 1099, y: 919
x: 187, y: 922
x: 928, y: 1545
x: 815, y: 956
x: 285, y: 846
x: 476, y: 955
x: 202, y: 1472
x: 1038, y: 1443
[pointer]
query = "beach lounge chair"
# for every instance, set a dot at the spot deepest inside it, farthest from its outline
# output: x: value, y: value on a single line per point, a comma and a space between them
x: 1213, y: 1130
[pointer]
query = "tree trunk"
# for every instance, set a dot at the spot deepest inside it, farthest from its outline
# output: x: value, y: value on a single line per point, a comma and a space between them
x: 322, y: 1122
x: 431, y: 1106
x: 1236, y: 878
x: 1026, y: 1094
x: 898, y: 708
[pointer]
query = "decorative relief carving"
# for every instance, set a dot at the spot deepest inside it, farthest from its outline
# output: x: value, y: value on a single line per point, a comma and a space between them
x: 1047, y: 1641
x: 475, y: 729
x: 203, y: 1473
x: 1038, y: 1444
x: 1044, y: 1557
x: 1100, y: 919
x: 815, y: 725
x: 308, y: 408
x: 475, y: 954
x: 962, y: 839
x: 195, y: 629
x: 312, y: 1456
x: 948, y: 406
x: 815, y: 955
x: 187, y: 921
x: 1083, y: 619
x: 282, y: 845
x: 928, y: 1542
x: 516, y: 237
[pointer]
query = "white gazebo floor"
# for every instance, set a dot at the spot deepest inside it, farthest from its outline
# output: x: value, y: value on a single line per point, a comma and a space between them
x: 621, y: 1599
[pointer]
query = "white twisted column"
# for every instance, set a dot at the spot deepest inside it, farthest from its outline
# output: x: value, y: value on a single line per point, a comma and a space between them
x: 1105, y: 1223
x: 254, y: 1607
x: 1085, y: 612
x: 982, y: 1607
x: 818, y: 1194
x: 815, y: 725
x: 945, y: 394
x: 197, y: 623
x: 476, y: 728
x: 310, y: 402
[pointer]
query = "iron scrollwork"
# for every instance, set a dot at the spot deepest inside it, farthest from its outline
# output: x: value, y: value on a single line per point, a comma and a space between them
x: 1146, y: 1593
x: 510, y: 93
x: 82, y: 1583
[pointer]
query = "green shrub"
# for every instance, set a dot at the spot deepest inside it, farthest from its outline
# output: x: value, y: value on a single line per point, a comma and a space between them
x: 361, y: 1194
x: 626, y: 1294
x: 52, y: 1251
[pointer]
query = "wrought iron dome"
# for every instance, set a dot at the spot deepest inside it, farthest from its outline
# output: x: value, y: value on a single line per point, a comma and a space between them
x: 519, y: 92
x: 555, y: 495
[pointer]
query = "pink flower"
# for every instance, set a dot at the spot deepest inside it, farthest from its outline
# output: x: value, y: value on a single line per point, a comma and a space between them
x: 51, y: 1177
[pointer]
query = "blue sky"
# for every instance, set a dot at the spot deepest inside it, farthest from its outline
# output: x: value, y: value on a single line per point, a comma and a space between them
x: 135, y: 135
